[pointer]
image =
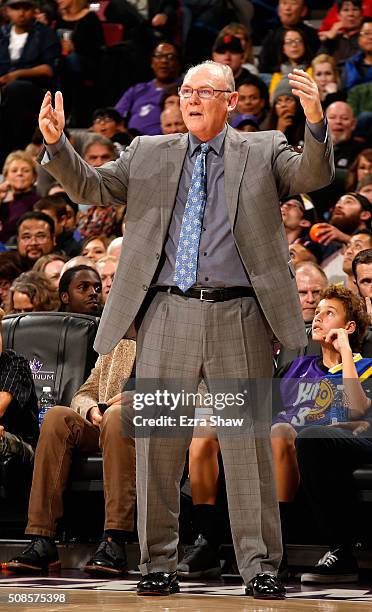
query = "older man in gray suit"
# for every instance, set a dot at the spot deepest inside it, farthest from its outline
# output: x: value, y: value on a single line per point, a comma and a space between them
x: 205, y: 245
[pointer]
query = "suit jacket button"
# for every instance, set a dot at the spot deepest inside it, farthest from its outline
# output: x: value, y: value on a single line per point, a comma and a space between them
x: 157, y: 255
x: 145, y: 287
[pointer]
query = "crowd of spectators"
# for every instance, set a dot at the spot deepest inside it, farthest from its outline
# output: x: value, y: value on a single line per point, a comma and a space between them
x: 57, y: 254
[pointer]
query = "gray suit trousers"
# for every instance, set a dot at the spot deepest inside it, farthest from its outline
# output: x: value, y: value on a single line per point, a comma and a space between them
x: 185, y: 339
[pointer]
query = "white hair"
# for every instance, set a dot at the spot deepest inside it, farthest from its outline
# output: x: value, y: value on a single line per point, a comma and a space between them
x: 114, y: 244
x: 222, y: 69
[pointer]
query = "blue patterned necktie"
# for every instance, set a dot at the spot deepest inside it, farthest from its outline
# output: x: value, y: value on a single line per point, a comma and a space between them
x: 188, y: 245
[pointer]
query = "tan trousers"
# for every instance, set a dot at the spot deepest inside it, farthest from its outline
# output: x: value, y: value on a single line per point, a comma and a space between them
x: 64, y: 432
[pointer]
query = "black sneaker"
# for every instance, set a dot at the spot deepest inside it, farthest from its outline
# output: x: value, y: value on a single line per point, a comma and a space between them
x: 332, y: 568
x: 200, y: 560
x: 40, y: 555
x: 109, y: 558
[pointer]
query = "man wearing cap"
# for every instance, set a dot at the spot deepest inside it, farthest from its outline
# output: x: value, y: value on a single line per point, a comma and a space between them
x: 29, y: 52
x: 205, y: 278
x: 245, y: 123
x: 228, y: 50
x: 298, y: 214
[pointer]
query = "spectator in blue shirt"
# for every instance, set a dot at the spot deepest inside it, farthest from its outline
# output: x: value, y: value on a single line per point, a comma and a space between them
x: 358, y: 69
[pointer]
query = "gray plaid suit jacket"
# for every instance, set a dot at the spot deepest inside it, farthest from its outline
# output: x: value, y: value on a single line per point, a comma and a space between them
x: 260, y: 168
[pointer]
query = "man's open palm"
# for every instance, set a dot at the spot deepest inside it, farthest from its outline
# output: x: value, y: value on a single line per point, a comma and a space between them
x: 52, y: 120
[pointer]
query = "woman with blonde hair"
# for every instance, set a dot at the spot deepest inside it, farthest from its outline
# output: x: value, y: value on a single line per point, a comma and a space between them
x: 17, y: 192
x: 327, y: 78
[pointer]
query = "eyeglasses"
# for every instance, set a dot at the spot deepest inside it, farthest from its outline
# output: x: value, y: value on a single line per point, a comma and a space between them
x: 40, y: 238
x: 203, y: 92
x: 167, y: 56
x: 367, y: 34
x: 294, y: 41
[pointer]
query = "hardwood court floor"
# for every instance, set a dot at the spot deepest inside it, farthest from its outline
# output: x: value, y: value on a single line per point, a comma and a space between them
x: 84, y: 594
x: 82, y: 601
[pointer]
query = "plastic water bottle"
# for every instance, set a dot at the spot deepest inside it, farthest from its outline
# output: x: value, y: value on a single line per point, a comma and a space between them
x: 46, y: 401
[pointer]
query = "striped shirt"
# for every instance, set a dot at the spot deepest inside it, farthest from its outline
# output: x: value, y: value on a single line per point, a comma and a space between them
x: 21, y: 416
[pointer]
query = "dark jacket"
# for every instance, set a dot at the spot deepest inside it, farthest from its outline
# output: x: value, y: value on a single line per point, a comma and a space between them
x: 41, y: 47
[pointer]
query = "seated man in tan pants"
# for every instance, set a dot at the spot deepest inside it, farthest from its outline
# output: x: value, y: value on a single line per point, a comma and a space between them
x: 82, y: 427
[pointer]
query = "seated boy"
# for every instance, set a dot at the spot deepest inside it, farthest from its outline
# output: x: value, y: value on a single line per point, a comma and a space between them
x: 321, y: 390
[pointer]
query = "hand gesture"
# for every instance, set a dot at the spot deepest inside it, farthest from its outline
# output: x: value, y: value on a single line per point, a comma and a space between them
x: 339, y: 338
x: 305, y: 88
x: 4, y: 188
x: 369, y: 308
x: 52, y: 120
x: 356, y: 427
x: 332, y: 33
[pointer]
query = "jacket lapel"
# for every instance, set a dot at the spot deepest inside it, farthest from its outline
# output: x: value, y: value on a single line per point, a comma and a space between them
x: 235, y: 159
x: 171, y: 162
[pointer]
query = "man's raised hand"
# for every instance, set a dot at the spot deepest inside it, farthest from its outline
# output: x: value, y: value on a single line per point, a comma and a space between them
x: 52, y: 120
x: 305, y: 88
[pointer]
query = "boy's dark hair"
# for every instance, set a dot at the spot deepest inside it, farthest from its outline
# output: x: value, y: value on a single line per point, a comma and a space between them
x: 107, y: 111
x: 363, y: 257
x: 253, y: 79
x: 38, y: 216
x: 53, y: 202
x: 67, y: 199
x: 171, y: 90
x: 355, y: 310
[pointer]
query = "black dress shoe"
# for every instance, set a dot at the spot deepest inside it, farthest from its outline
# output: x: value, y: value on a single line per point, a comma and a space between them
x: 110, y: 558
x: 158, y: 583
x: 265, y: 586
x: 40, y: 555
x: 200, y: 560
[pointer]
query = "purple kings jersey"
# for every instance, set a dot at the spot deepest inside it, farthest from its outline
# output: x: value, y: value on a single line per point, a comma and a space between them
x: 312, y: 394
